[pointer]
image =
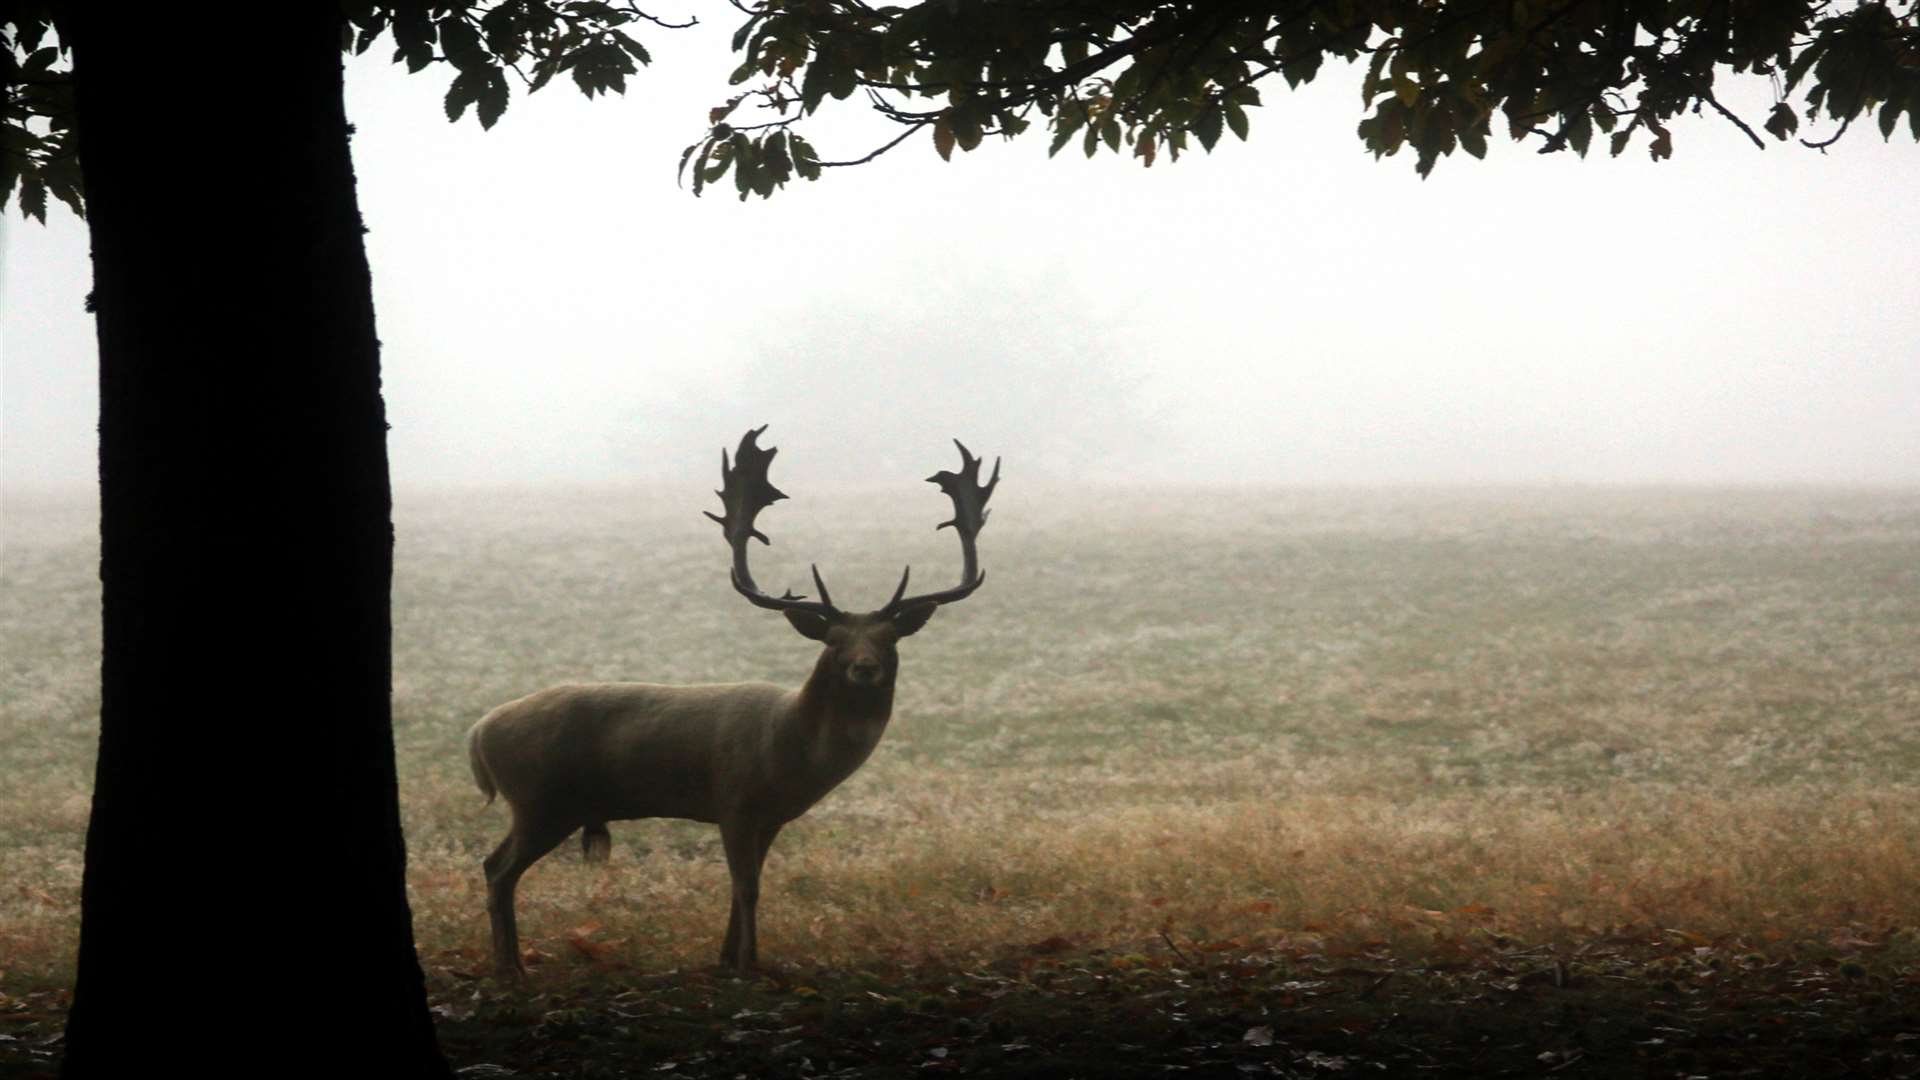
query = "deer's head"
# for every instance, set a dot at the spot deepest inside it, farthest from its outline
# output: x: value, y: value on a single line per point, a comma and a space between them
x: 860, y: 647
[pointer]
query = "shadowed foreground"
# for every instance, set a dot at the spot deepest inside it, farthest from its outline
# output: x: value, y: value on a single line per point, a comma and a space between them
x: 1637, y: 1004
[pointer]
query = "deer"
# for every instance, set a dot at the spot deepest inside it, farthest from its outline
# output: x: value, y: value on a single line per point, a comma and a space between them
x: 749, y: 757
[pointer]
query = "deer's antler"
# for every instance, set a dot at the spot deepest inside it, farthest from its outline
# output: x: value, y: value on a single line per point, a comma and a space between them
x: 969, y: 515
x: 744, y: 492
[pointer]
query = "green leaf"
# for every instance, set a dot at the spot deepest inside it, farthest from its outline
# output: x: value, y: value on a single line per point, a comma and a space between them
x: 40, y: 60
x: 412, y: 37
x: 805, y: 161
x: 367, y: 36
x: 1237, y: 120
x: 841, y: 80
x: 63, y: 179
x: 31, y: 32
x: 1803, y: 63
x: 33, y: 198
x: 1069, y: 119
x: 744, y: 173
x: 1302, y: 70
x: 1110, y: 132
x: 506, y: 37
x: 1619, y: 141
x: 1370, y: 88
x: 631, y: 47
x: 740, y: 35
x: 1781, y: 122
x: 1579, y: 132
x: 700, y: 170
x: 966, y: 132
x: 1208, y: 125
x: 18, y: 141
x: 943, y: 136
x: 715, y: 165
x: 813, y: 87
x: 543, y: 72
x: 492, y: 97
x: 464, y: 90
x: 1889, y: 118
x: 588, y: 80
x: 9, y: 176
x: 461, y: 42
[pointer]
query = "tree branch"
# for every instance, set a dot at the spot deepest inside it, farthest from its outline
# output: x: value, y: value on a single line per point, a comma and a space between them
x: 1707, y: 96
x: 897, y: 140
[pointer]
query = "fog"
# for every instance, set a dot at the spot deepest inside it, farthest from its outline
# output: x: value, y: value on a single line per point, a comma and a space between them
x: 1289, y: 311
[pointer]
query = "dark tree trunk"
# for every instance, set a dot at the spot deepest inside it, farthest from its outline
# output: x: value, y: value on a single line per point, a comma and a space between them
x: 244, y: 910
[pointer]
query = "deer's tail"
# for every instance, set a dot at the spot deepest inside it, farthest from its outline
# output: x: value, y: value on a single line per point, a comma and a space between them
x: 481, y: 774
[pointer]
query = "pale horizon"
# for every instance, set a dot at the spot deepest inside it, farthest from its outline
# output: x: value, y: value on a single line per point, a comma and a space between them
x: 1284, y: 313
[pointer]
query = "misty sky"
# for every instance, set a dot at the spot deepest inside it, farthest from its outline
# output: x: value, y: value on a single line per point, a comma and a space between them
x: 1287, y: 311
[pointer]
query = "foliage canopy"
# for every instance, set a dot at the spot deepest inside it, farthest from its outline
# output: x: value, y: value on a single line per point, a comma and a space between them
x: 1144, y: 77
x: 1153, y: 78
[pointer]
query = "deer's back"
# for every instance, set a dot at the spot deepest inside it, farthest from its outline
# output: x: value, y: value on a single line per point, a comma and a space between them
x: 613, y: 751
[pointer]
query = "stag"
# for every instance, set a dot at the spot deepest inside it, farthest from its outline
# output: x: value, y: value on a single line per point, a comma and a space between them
x: 749, y: 757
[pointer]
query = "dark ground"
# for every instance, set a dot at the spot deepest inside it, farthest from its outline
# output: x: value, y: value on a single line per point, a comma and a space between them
x: 1642, y: 1003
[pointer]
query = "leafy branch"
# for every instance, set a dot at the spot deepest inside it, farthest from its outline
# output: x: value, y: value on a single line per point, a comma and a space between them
x: 39, y: 153
x: 535, y: 40
x: 1154, y: 76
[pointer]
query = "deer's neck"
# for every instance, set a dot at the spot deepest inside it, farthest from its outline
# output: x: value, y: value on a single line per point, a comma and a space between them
x: 839, y: 722
x: 822, y: 736
x: 829, y: 704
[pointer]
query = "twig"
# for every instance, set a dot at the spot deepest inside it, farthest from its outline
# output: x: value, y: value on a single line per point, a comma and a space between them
x: 668, y: 24
x: 1168, y: 938
x: 1708, y: 97
x: 897, y: 140
x: 1823, y: 144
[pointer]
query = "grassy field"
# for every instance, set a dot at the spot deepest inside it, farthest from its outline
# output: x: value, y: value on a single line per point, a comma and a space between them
x: 1172, y: 724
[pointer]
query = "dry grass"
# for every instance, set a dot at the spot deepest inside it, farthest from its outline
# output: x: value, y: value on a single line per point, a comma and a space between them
x: 1227, y: 716
x: 957, y: 888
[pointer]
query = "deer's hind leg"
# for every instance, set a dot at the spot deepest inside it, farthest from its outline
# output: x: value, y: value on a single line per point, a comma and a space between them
x: 523, y: 847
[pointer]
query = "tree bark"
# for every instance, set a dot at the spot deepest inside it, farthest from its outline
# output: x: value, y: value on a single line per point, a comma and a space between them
x: 244, y: 908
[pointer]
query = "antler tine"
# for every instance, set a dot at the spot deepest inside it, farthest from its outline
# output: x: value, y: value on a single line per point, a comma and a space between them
x: 969, y: 516
x: 899, y: 590
x: 744, y: 492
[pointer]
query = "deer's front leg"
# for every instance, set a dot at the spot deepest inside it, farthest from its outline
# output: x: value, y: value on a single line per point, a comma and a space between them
x: 746, y: 844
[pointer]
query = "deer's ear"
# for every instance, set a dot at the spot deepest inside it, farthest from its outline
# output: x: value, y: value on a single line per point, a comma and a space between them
x: 809, y: 624
x: 913, y: 618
